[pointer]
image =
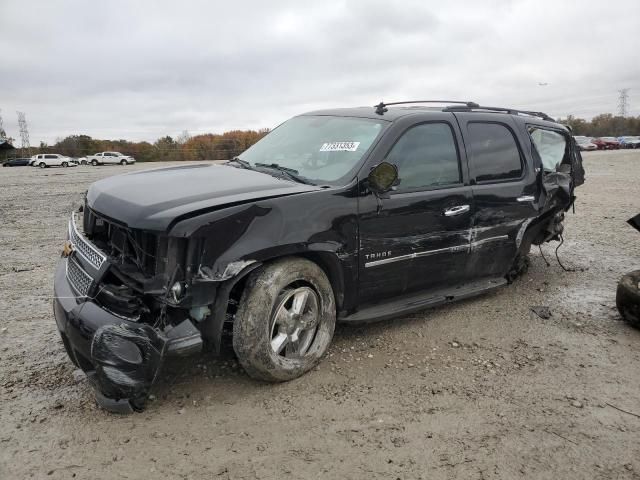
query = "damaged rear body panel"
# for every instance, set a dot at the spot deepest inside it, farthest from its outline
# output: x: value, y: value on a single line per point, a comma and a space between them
x: 156, y: 262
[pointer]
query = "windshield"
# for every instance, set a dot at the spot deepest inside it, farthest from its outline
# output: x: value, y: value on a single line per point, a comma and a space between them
x: 322, y: 149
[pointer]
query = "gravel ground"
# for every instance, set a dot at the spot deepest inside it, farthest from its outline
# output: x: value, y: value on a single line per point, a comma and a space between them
x: 481, y: 389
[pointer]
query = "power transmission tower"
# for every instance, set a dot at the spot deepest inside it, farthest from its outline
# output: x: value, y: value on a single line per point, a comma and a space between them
x: 623, y: 105
x: 24, y: 132
x: 3, y: 134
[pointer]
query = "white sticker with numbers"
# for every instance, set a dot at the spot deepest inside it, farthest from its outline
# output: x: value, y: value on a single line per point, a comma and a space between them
x: 340, y: 147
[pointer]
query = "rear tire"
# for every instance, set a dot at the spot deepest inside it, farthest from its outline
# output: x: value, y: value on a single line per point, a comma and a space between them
x: 94, y: 163
x: 42, y: 165
x: 628, y: 298
x: 519, y: 268
x: 65, y: 164
x: 285, y: 320
x: 123, y: 163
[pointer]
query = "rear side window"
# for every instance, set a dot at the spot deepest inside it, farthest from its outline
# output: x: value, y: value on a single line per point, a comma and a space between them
x: 426, y: 157
x: 494, y: 153
x: 551, y: 146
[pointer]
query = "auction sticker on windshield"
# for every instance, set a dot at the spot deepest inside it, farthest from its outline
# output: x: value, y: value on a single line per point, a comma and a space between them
x: 339, y: 147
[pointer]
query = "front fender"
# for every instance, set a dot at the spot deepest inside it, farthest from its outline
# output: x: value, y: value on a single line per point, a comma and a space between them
x: 319, y: 225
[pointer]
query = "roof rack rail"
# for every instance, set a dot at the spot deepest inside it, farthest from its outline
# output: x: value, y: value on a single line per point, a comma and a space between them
x: 382, y: 107
x: 459, y: 106
x: 511, y: 111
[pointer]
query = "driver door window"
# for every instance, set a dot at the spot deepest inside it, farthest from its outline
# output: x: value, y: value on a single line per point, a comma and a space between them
x: 426, y: 157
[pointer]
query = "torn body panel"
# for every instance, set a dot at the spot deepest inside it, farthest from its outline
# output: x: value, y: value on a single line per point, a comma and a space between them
x: 121, y: 357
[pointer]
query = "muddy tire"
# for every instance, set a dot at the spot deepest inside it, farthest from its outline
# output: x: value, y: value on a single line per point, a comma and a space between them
x: 285, y: 320
x: 628, y: 298
x: 520, y: 267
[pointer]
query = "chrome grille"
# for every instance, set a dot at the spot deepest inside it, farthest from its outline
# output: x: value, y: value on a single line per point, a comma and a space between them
x: 80, y: 280
x: 83, y: 246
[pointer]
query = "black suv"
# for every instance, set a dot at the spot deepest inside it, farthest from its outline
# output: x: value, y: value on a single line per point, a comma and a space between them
x: 354, y: 214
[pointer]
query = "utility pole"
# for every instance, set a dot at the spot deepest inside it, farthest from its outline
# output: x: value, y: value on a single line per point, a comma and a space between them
x: 24, y: 133
x: 623, y: 104
x: 3, y: 134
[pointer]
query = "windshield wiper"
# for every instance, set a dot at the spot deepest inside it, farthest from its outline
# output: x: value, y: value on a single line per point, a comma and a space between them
x: 289, y: 172
x: 241, y: 163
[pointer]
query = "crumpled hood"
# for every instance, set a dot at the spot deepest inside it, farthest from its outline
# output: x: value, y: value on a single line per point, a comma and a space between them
x: 153, y: 199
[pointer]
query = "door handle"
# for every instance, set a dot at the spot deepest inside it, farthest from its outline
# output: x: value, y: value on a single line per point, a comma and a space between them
x: 526, y: 198
x: 459, y: 210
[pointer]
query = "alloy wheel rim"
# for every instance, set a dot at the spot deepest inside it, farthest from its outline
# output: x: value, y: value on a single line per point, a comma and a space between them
x: 295, y: 323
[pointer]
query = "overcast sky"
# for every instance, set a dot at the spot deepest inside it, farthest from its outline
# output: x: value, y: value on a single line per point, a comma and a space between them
x: 139, y: 70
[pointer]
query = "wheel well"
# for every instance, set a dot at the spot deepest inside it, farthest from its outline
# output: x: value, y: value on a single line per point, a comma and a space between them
x: 329, y: 264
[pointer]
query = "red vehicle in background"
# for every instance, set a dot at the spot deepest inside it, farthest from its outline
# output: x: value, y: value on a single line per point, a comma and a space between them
x: 607, y: 143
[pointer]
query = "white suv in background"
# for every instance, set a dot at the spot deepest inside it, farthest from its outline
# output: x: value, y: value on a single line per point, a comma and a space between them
x: 44, y: 160
x: 107, y: 158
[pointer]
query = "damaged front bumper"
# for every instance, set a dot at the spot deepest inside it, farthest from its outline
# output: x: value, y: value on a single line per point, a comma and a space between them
x: 121, y: 357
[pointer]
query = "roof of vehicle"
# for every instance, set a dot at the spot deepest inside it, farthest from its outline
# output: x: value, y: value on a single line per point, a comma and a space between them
x: 389, y: 113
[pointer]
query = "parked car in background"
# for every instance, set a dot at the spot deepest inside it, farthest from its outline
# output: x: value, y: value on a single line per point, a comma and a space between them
x: 81, y: 160
x: 17, y: 162
x: 110, y: 158
x: 585, y: 143
x: 607, y: 143
x: 44, y: 160
x: 629, y: 141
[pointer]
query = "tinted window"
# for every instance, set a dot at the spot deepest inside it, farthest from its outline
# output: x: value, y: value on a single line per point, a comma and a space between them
x: 50, y: 156
x: 551, y: 146
x: 494, y: 154
x: 426, y: 157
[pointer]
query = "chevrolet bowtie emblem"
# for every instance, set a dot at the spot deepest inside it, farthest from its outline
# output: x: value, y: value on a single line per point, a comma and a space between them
x: 67, y: 248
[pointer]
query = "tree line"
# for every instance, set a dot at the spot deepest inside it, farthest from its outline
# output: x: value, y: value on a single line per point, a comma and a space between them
x: 211, y: 146
x: 603, y: 125
x: 208, y: 146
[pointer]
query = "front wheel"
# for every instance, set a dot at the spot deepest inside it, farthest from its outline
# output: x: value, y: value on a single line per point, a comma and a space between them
x: 65, y: 164
x: 123, y: 163
x: 285, y: 320
x: 42, y: 165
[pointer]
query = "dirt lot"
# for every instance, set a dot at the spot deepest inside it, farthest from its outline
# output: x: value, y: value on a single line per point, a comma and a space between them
x: 481, y: 389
